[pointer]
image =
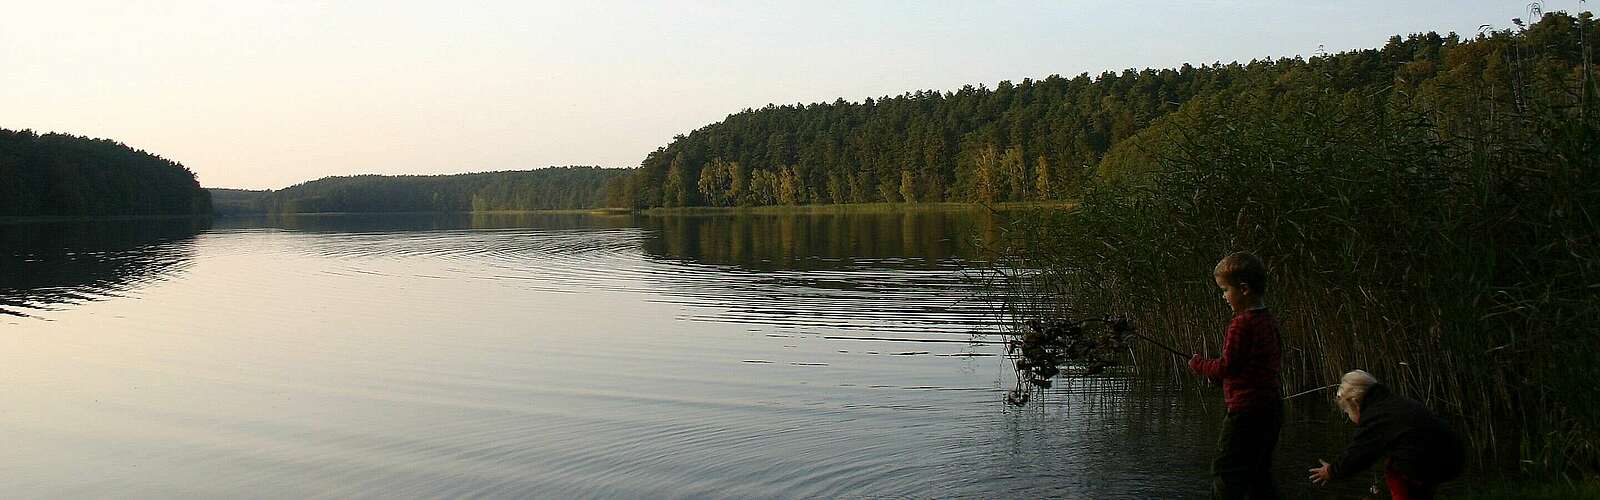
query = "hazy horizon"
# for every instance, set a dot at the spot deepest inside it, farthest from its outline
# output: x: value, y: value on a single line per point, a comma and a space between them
x: 260, y: 96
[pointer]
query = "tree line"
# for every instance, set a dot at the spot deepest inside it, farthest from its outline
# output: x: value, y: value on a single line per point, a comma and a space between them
x: 1033, y: 140
x: 68, y: 175
x: 574, y: 187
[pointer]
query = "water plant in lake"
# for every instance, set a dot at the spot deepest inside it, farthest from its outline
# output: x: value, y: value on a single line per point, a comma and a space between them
x: 1045, y: 346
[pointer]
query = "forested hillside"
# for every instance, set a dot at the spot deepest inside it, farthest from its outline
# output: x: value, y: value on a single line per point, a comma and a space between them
x: 1034, y: 139
x: 238, y: 201
x: 542, y: 189
x: 67, y: 175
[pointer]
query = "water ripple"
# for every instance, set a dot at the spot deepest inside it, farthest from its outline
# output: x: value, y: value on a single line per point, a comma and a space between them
x: 570, y: 361
x: 880, y: 297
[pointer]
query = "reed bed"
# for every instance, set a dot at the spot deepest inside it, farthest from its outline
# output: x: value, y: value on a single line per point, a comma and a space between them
x: 1443, y: 238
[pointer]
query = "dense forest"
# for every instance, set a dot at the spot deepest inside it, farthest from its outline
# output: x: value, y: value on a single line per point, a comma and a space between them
x: 1034, y: 139
x: 67, y: 175
x: 542, y: 189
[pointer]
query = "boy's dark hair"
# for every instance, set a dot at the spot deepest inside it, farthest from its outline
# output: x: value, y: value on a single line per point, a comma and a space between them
x: 1244, y: 267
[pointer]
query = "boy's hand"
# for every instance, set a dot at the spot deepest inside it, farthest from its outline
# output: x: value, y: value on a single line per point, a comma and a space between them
x: 1194, y: 362
x: 1321, y: 475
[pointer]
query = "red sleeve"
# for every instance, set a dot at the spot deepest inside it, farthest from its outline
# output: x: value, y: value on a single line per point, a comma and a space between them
x: 1232, y: 347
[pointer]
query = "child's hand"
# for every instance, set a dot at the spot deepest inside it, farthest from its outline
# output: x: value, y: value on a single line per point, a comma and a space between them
x: 1320, y: 475
x: 1194, y: 362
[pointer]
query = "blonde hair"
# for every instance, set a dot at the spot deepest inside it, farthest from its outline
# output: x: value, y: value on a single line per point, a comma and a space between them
x: 1352, y: 387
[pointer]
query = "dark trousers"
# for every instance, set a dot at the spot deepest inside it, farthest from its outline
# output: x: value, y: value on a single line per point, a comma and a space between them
x: 1243, y: 468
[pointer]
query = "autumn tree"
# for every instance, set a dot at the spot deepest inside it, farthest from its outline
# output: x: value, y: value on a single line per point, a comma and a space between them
x: 1014, y: 170
x: 986, y: 172
x: 908, y: 187
x: 1042, y: 188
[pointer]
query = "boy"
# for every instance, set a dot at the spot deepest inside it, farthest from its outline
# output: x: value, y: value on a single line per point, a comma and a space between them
x: 1248, y: 370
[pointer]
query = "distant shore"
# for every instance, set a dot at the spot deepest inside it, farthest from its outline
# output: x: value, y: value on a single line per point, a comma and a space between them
x: 659, y: 211
x: 25, y: 219
x: 596, y: 211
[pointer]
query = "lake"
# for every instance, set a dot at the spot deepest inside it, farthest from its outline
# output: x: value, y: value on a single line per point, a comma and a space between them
x: 559, y: 356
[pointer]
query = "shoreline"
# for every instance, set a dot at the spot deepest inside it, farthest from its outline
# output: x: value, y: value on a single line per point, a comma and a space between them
x: 852, y: 208
x: 882, y: 207
x: 30, y: 219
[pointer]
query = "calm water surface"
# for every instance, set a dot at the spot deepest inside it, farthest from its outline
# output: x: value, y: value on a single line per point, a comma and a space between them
x: 554, y: 356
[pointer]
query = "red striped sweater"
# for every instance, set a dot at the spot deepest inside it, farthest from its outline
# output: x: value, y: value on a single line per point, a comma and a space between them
x: 1248, y: 368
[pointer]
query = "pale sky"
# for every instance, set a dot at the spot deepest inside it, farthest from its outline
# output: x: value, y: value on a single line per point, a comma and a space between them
x: 268, y: 94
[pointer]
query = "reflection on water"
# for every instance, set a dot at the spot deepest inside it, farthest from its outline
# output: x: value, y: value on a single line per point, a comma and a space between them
x: 381, y: 222
x: 538, y: 355
x: 893, y: 275
x: 55, y: 264
x: 925, y: 239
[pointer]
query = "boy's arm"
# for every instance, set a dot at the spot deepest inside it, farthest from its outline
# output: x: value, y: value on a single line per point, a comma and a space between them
x: 1232, y: 345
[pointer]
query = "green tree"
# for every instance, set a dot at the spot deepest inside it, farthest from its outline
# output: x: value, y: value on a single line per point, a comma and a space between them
x: 675, y: 191
x: 837, y: 192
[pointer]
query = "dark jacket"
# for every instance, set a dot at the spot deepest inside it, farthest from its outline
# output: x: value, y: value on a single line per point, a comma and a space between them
x: 1419, y: 444
x: 1248, y: 368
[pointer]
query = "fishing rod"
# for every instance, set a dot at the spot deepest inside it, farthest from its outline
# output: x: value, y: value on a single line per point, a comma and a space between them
x: 1302, y: 393
x: 1158, y: 343
x: 1124, y: 324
